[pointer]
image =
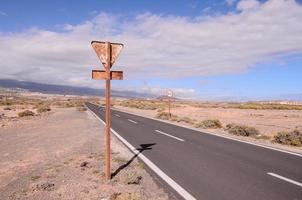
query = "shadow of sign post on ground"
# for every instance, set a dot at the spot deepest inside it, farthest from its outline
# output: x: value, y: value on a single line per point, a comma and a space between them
x: 140, y: 150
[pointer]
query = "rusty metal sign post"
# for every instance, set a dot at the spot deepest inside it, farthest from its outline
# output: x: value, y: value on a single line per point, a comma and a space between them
x: 107, y: 53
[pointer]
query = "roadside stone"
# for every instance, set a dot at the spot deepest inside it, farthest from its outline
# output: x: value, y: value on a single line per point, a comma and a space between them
x: 84, y: 164
x: 135, y: 181
x: 44, y: 187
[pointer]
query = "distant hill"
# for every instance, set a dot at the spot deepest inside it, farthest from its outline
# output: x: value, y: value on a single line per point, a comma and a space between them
x: 66, y: 90
x: 163, y: 98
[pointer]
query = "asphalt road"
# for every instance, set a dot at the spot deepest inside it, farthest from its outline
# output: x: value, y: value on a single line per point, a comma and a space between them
x: 211, y: 167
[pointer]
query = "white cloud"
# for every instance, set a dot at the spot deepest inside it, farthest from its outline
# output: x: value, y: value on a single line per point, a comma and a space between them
x: 248, y: 4
x: 156, y: 45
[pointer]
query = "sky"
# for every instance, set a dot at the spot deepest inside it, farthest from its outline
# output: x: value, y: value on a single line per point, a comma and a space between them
x: 209, y: 50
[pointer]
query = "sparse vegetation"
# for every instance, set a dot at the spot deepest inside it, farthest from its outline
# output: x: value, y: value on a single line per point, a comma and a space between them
x: 187, y: 120
x: 26, y: 113
x: 263, y: 137
x: 120, y: 160
x: 140, y: 104
x: 174, y: 118
x: 42, y: 109
x: 242, y: 130
x: 82, y: 108
x: 293, y: 138
x: 209, y: 123
x: 258, y: 106
x: 164, y: 116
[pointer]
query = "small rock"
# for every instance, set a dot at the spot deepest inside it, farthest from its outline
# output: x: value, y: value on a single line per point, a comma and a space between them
x: 44, y: 187
x: 84, y: 164
x: 136, y: 181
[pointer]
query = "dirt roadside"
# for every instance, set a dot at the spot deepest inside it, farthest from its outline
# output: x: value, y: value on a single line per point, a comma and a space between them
x: 60, y: 156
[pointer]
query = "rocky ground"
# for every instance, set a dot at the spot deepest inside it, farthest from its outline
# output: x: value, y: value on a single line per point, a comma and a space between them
x: 60, y: 156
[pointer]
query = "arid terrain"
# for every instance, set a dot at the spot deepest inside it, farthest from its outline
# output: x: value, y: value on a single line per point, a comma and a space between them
x: 53, y: 148
x: 59, y: 154
x: 268, y: 119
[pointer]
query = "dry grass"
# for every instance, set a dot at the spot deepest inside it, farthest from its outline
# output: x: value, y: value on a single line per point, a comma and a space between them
x: 42, y: 109
x: 247, y: 105
x: 209, y: 123
x: 26, y: 113
x: 142, y: 104
x: 174, y: 118
x: 242, y: 130
x: 293, y: 138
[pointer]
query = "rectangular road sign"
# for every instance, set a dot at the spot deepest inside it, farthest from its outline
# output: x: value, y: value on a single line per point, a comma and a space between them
x: 103, y: 75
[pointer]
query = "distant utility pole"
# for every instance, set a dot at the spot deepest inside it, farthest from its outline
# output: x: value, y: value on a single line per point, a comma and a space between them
x: 107, y: 52
x: 169, y: 94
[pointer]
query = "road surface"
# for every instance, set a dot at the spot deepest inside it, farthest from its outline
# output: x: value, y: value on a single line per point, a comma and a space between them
x: 211, y: 167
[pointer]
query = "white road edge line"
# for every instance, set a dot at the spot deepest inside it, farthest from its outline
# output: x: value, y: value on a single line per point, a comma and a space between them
x: 132, y: 121
x: 181, y: 191
x: 215, y: 134
x: 285, y: 179
x: 163, y: 133
x: 117, y: 115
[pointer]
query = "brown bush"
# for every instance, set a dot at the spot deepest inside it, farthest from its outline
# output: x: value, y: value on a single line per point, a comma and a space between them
x: 209, y: 123
x: 293, y: 138
x: 242, y: 130
x: 42, y: 109
x: 26, y: 113
x: 165, y: 116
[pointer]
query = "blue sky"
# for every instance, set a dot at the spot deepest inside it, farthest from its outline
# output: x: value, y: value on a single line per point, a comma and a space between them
x: 210, y: 50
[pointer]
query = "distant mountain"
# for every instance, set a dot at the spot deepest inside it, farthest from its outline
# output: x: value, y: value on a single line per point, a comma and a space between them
x: 163, y: 98
x: 66, y: 90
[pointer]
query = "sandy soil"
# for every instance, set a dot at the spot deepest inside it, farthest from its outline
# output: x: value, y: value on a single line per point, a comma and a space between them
x: 268, y: 122
x: 60, y: 156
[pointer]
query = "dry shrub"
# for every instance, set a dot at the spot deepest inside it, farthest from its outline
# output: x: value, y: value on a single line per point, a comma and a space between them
x: 42, y: 109
x: 260, y: 106
x: 174, y: 118
x: 82, y: 109
x: 209, y: 123
x: 242, y: 130
x: 263, y: 137
x: 165, y: 116
x: 141, y: 104
x: 26, y: 113
x: 293, y: 138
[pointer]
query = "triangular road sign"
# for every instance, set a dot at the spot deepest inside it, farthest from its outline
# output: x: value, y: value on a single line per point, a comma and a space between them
x: 101, y: 51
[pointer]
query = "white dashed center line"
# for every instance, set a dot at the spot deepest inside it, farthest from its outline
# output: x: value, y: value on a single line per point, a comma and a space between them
x: 132, y: 121
x: 285, y: 179
x: 117, y: 115
x: 166, y: 134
